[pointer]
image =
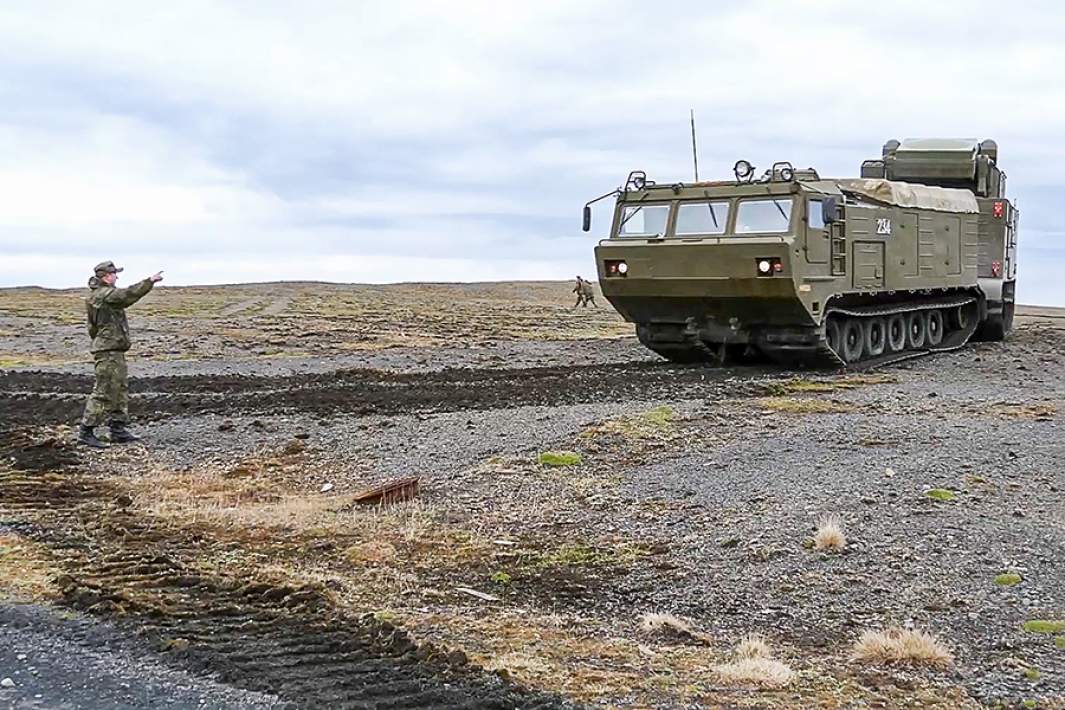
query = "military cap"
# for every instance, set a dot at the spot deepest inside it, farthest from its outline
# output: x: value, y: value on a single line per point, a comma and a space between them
x: 108, y: 267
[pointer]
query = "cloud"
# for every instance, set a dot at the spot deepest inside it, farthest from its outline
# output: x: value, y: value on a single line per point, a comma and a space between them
x: 233, y: 141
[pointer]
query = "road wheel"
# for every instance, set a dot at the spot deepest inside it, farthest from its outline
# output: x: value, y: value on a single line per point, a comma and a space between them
x: 916, y: 329
x: 853, y: 340
x: 896, y: 333
x: 874, y: 332
x: 959, y: 318
x: 934, y: 331
x: 834, y: 336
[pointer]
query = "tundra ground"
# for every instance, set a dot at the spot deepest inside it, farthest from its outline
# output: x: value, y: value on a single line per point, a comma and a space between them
x: 592, y: 525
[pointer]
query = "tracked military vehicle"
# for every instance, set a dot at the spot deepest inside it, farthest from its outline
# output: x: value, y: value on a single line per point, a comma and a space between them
x: 917, y: 255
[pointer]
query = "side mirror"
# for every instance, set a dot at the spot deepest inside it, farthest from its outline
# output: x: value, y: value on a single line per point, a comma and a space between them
x: 587, y: 217
x: 829, y: 209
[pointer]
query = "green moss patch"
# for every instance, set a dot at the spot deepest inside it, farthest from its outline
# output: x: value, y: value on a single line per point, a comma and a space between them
x: 659, y: 416
x: 941, y: 494
x: 1044, y: 626
x: 1059, y: 641
x: 583, y: 555
x: 658, y: 423
x: 559, y: 458
x: 1008, y: 579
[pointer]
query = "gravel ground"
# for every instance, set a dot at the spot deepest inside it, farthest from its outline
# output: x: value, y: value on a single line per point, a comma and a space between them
x: 66, y: 660
x: 735, y: 503
x: 726, y: 494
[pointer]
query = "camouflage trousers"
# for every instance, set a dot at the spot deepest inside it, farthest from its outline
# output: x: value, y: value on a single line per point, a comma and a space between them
x: 109, y: 401
x: 583, y: 300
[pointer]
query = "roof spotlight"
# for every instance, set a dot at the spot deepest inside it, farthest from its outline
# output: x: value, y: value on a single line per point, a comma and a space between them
x: 743, y: 170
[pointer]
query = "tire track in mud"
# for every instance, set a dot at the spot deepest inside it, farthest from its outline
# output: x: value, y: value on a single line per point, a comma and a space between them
x: 285, y: 640
x: 235, y: 308
x: 36, y: 398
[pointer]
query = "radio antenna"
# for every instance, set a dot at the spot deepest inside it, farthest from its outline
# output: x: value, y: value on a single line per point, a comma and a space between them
x: 695, y: 150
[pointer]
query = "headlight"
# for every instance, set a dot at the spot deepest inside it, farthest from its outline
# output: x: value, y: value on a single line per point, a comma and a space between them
x: 764, y: 266
x: 623, y: 268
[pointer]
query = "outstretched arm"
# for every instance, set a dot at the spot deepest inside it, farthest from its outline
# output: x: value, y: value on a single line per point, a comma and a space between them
x: 125, y: 297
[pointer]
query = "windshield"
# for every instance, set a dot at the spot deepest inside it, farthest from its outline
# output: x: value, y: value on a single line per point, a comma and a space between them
x: 758, y: 216
x: 702, y: 218
x: 644, y: 220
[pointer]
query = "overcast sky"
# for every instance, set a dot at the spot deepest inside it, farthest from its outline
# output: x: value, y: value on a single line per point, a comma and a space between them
x: 375, y: 142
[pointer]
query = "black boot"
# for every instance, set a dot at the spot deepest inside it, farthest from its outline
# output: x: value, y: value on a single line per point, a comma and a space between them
x: 121, y: 435
x: 87, y: 436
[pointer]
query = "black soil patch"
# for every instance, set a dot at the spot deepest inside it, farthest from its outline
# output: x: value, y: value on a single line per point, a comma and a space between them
x: 35, y: 398
x: 24, y: 451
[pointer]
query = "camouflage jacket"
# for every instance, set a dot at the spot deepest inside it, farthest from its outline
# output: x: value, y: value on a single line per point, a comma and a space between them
x: 105, y: 307
x: 586, y: 289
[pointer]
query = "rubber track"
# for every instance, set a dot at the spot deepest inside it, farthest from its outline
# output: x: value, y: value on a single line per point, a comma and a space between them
x: 290, y: 642
x: 825, y: 357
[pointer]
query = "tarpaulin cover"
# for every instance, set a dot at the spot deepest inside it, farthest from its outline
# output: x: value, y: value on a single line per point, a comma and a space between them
x: 904, y: 194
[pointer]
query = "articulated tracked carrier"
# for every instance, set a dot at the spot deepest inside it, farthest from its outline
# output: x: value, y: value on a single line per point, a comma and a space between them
x: 918, y: 255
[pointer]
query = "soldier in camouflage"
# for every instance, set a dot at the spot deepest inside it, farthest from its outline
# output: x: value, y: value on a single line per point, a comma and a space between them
x: 585, y: 293
x: 589, y: 293
x: 105, y: 307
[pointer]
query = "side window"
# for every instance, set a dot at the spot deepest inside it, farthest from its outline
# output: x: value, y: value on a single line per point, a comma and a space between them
x: 813, y: 214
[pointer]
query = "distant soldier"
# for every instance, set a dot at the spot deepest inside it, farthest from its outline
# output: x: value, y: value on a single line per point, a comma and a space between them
x: 105, y: 307
x: 585, y: 293
x: 589, y: 293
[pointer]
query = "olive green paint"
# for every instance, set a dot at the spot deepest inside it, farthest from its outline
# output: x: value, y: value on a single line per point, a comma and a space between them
x: 872, y: 254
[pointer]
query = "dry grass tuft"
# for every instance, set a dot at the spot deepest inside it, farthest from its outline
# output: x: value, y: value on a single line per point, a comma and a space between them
x: 753, y: 646
x: 1042, y: 412
x: 372, y: 552
x: 669, y: 626
x: 229, y: 502
x: 657, y: 623
x: 899, y: 645
x: 407, y: 522
x: 829, y: 536
x: 762, y: 672
x: 25, y: 570
x: 522, y: 665
x: 585, y: 660
x: 798, y: 385
x: 798, y: 405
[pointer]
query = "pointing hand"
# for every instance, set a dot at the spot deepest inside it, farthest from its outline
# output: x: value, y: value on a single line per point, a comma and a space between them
x: 156, y: 277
